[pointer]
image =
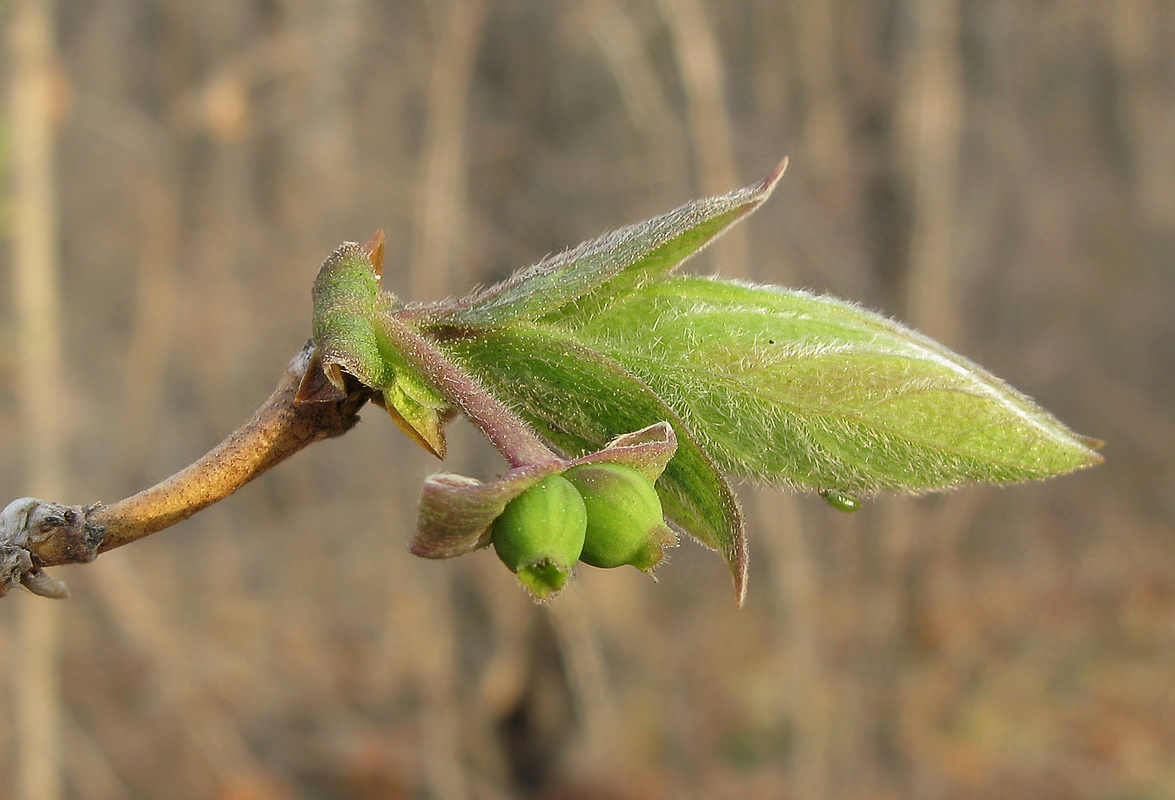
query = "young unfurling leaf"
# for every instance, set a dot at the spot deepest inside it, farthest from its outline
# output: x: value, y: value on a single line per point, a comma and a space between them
x: 348, y: 305
x: 347, y: 301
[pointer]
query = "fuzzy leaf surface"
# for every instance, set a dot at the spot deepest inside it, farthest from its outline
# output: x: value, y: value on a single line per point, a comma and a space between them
x: 579, y: 401
x: 811, y: 391
x: 611, y: 263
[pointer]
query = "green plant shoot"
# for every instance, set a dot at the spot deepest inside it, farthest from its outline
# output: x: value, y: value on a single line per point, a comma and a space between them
x: 601, y: 354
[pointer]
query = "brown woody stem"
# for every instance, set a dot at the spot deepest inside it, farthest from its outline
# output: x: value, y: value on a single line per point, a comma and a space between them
x: 277, y: 430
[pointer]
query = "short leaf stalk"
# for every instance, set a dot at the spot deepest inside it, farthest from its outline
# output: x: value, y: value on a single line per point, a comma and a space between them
x: 620, y: 395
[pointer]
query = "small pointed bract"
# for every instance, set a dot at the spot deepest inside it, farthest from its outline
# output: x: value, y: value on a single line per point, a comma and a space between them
x: 456, y: 513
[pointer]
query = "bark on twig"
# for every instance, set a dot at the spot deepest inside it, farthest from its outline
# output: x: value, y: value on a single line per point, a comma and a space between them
x: 303, y: 409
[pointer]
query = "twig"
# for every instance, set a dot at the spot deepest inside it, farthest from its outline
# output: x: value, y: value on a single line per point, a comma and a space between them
x: 35, y: 534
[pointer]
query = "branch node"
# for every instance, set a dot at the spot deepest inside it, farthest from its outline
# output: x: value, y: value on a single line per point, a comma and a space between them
x: 33, y: 533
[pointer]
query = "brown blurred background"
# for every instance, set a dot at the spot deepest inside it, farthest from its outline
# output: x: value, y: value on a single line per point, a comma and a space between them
x: 1000, y: 174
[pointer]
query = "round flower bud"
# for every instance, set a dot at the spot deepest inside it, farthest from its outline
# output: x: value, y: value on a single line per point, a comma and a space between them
x: 624, y: 519
x: 540, y: 535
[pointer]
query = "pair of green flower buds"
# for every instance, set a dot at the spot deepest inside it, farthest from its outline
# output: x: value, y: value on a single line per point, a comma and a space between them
x: 604, y: 514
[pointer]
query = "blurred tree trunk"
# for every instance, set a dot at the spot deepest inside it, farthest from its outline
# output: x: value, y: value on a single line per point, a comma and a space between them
x: 441, y: 215
x: 40, y: 388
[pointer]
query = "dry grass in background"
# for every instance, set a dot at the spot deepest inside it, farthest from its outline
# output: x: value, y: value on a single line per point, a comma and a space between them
x: 996, y: 173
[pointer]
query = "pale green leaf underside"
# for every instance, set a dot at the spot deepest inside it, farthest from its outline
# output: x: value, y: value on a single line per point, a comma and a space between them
x: 579, y: 401
x: 610, y: 263
x: 815, y: 392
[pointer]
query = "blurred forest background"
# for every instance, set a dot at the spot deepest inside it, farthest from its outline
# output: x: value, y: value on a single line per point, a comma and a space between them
x: 1000, y: 174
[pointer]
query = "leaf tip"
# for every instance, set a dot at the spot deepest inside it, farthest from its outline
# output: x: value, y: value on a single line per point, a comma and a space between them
x: 1092, y: 444
x: 738, y: 559
x: 773, y: 177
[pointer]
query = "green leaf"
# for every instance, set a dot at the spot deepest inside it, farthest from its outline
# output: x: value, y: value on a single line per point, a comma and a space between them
x: 816, y: 392
x: 579, y: 401
x: 611, y: 263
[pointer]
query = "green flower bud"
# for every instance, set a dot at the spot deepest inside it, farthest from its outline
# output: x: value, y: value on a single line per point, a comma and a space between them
x: 540, y: 535
x: 625, y: 524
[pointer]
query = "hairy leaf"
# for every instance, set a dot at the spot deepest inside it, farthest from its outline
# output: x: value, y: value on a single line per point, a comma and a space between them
x: 579, y: 401
x: 816, y: 392
x: 611, y: 263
